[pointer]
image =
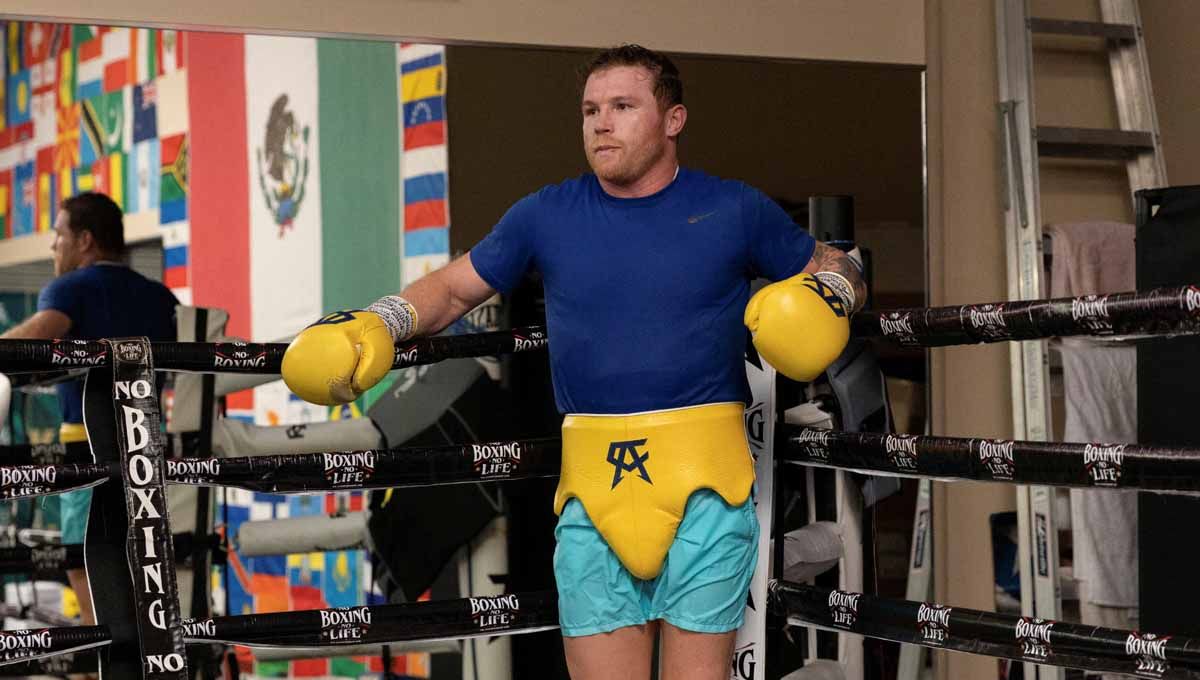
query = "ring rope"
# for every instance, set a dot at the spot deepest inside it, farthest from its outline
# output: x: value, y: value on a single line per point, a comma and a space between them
x: 510, y: 614
x: 1123, y: 466
x: 1161, y: 311
x: 24, y: 356
x: 309, y: 472
x: 999, y: 635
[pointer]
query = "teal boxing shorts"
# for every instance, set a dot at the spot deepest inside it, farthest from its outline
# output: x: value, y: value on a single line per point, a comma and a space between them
x: 74, y: 507
x: 702, y: 587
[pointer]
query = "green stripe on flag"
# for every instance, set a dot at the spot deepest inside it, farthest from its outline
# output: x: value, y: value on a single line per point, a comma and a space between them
x: 151, y: 57
x: 360, y: 172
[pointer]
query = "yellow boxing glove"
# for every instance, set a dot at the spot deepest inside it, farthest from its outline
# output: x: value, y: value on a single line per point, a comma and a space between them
x: 800, y: 325
x: 339, y: 357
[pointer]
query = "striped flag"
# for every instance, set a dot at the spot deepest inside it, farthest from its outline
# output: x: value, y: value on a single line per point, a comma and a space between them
x: 89, y: 68
x: 142, y: 180
x: 169, y: 53
x: 115, y: 53
x: 424, y: 166
x: 143, y: 55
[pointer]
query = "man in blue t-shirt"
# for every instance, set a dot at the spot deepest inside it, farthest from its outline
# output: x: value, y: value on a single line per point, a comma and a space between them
x: 647, y: 270
x: 93, y: 295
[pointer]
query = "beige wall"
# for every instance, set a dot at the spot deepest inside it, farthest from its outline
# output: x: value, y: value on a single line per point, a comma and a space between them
x: 1174, y: 53
x: 969, y: 386
x: 878, y: 31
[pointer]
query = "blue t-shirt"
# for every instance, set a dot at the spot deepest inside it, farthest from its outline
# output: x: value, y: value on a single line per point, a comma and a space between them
x: 645, y: 296
x: 107, y: 301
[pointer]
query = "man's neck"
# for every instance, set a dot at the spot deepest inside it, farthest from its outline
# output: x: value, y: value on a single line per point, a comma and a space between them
x: 654, y: 181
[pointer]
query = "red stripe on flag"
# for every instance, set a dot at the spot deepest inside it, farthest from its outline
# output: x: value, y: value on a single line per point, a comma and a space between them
x: 425, y: 134
x: 181, y: 45
x: 175, y: 277
x: 425, y: 214
x: 219, y: 184
x: 91, y: 49
x: 116, y: 75
x: 310, y: 668
x: 240, y: 401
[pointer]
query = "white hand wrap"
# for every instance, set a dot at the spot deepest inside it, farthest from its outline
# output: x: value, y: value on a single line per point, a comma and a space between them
x: 841, y: 287
x: 398, y: 315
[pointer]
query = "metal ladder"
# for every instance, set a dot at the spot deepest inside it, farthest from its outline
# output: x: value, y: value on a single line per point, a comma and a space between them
x: 1137, y: 143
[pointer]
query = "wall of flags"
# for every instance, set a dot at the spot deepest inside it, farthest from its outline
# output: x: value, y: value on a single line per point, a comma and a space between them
x: 118, y: 110
x: 95, y: 108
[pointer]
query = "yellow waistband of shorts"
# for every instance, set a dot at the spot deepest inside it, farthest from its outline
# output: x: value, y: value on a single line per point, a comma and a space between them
x: 634, y: 473
x: 72, y: 432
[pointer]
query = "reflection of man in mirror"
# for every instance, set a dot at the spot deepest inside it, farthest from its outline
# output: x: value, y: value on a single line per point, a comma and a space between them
x: 647, y: 269
x: 93, y: 295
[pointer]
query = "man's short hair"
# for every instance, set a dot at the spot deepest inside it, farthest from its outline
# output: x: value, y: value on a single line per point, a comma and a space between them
x: 668, y: 87
x: 97, y: 213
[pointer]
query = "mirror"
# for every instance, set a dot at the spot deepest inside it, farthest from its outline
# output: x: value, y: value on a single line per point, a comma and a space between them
x: 282, y: 177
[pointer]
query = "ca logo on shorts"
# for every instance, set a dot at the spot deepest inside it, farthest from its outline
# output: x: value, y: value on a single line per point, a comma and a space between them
x: 625, y: 457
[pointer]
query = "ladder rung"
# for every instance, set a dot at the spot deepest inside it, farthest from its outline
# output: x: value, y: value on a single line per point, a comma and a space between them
x: 1065, y: 142
x: 1094, y: 29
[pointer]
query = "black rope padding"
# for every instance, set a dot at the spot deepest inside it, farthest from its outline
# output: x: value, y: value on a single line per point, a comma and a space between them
x: 380, y: 624
x: 24, y: 356
x: 1122, y: 466
x: 23, y: 481
x: 375, y: 469
x: 435, y: 620
x: 329, y: 471
x: 1162, y: 311
x: 51, y: 560
x: 34, y: 643
x: 45, y: 454
x: 999, y: 635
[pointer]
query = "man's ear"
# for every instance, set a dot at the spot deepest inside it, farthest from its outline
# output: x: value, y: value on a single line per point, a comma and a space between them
x: 676, y: 118
x: 86, y: 239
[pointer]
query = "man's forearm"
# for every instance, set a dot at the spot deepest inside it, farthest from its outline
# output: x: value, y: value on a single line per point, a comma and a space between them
x: 829, y: 259
x: 434, y: 303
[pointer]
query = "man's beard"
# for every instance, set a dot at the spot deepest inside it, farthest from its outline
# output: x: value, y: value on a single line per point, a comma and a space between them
x: 632, y: 169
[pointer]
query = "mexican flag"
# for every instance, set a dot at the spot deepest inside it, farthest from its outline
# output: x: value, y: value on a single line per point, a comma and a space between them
x: 296, y: 205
